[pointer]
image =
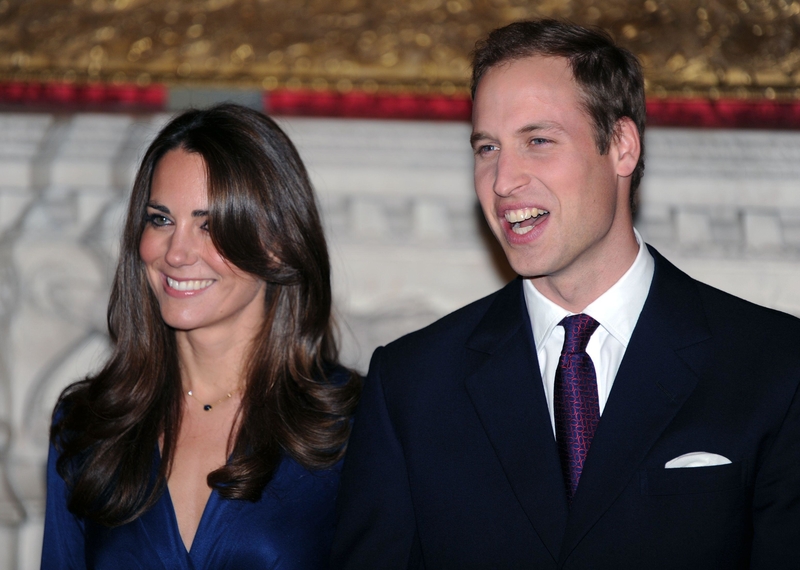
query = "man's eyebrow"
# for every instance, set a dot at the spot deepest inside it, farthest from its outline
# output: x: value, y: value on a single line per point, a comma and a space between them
x: 546, y: 126
x: 478, y: 136
x: 534, y: 127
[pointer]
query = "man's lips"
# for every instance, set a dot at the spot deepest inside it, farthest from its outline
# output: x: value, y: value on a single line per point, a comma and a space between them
x: 524, y: 220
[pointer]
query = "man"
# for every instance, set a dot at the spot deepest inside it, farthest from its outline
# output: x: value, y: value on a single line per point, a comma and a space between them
x: 602, y: 411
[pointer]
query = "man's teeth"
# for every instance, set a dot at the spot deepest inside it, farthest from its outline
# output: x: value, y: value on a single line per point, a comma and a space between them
x: 516, y: 217
x: 195, y: 285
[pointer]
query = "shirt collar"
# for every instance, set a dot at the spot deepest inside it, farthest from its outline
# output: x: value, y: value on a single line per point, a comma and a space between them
x: 617, y: 310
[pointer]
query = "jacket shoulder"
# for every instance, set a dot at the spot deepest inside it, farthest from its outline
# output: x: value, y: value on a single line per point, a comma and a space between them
x: 727, y: 315
x: 450, y: 330
x: 727, y: 312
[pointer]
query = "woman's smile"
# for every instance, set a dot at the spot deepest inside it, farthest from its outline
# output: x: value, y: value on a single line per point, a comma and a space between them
x: 188, y: 285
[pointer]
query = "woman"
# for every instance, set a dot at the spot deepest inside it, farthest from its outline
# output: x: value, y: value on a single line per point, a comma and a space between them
x: 212, y: 438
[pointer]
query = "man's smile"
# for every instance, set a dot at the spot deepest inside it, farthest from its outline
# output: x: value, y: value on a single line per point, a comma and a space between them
x: 525, y: 219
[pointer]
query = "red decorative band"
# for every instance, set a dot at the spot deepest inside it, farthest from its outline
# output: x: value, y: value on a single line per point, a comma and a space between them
x: 367, y: 106
x: 70, y: 95
x: 723, y: 113
x: 705, y: 113
x: 675, y: 112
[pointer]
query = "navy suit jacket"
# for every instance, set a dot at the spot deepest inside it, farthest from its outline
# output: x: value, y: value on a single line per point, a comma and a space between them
x: 453, y: 464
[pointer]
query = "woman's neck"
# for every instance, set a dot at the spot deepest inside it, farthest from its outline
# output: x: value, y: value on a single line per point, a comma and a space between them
x: 212, y: 362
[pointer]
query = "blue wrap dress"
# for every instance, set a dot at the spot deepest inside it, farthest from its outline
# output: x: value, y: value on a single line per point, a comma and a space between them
x: 289, y: 528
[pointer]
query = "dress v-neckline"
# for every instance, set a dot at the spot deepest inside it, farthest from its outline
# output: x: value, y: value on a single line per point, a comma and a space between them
x: 173, y: 517
x: 216, y: 512
x: 217, y: 517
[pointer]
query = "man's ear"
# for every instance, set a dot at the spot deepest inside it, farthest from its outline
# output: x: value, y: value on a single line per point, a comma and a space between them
x: 626, y: 145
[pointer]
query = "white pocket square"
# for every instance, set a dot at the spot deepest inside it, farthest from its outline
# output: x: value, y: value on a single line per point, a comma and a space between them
x: 696, y: 459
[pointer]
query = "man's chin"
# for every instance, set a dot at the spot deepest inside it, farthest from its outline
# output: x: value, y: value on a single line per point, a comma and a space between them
x: 524, y: 266
x: 530, y: 274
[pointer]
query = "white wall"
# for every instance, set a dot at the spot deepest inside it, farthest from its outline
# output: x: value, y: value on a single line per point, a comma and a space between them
x: 404, y: 230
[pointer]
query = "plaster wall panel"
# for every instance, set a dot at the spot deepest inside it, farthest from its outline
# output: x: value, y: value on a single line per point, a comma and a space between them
x: 84, y: 153
x: 21, y: 137
x: 762, y: 230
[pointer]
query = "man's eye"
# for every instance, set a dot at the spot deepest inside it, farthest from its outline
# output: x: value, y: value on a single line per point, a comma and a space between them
x: 485, y: 148
x: 538, y: 141
x: 157, y: 220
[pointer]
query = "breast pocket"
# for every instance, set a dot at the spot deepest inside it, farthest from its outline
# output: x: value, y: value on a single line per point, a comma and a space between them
x: 693, y: 480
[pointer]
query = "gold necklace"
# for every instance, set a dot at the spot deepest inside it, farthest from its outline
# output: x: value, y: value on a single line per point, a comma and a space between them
x: 207, y: 407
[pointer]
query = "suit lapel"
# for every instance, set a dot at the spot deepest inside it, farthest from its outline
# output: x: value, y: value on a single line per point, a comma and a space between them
x: 653, y: 381
x: 506, y: 390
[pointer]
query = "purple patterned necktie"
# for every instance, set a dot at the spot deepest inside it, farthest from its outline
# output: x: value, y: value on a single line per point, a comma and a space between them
x: 577, y: 410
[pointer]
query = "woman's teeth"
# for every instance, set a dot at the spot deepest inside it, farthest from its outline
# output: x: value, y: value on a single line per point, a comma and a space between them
x: 192, y: 285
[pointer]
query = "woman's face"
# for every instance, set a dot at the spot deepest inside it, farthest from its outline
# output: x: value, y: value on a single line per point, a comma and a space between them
x: 195, y: 287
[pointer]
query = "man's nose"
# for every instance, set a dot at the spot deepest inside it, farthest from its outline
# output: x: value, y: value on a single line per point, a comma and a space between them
x: 510, y: 173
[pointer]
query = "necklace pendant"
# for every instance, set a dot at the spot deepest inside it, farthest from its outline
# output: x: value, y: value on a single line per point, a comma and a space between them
x: 207, y: 407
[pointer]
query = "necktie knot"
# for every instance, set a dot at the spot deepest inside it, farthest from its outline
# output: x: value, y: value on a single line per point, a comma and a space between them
x: 578, y: 329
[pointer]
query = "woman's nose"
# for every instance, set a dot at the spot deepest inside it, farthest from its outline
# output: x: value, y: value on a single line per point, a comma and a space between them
x: 182, y: 247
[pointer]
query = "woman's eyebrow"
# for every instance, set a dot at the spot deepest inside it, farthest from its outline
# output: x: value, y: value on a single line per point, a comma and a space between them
x: 158, y: 207
x: 165, y: 210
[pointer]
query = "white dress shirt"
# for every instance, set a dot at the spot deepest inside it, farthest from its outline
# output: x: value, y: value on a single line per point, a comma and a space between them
x: 617, y: 311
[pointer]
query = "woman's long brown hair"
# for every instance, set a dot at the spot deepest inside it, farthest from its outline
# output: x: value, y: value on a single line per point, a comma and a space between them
x: 263, y: 219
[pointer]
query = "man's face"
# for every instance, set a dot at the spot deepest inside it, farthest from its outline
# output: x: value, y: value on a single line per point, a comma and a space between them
x: 557, y: 206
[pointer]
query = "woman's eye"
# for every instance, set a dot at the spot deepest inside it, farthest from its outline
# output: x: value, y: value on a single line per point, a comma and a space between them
x: 157, y: 220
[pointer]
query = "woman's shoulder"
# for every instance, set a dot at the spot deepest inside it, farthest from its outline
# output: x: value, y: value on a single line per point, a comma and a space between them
x: 338, y: 375
x: 60, y: 421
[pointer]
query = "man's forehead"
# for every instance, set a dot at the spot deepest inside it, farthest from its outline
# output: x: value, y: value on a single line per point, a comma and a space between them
x: 536, y: 91
x: 527, y: 61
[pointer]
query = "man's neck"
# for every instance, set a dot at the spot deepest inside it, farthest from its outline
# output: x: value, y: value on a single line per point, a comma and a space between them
x: 575, y: 289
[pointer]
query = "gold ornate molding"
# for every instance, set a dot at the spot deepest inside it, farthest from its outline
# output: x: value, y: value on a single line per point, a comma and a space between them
x: 706, y: 48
